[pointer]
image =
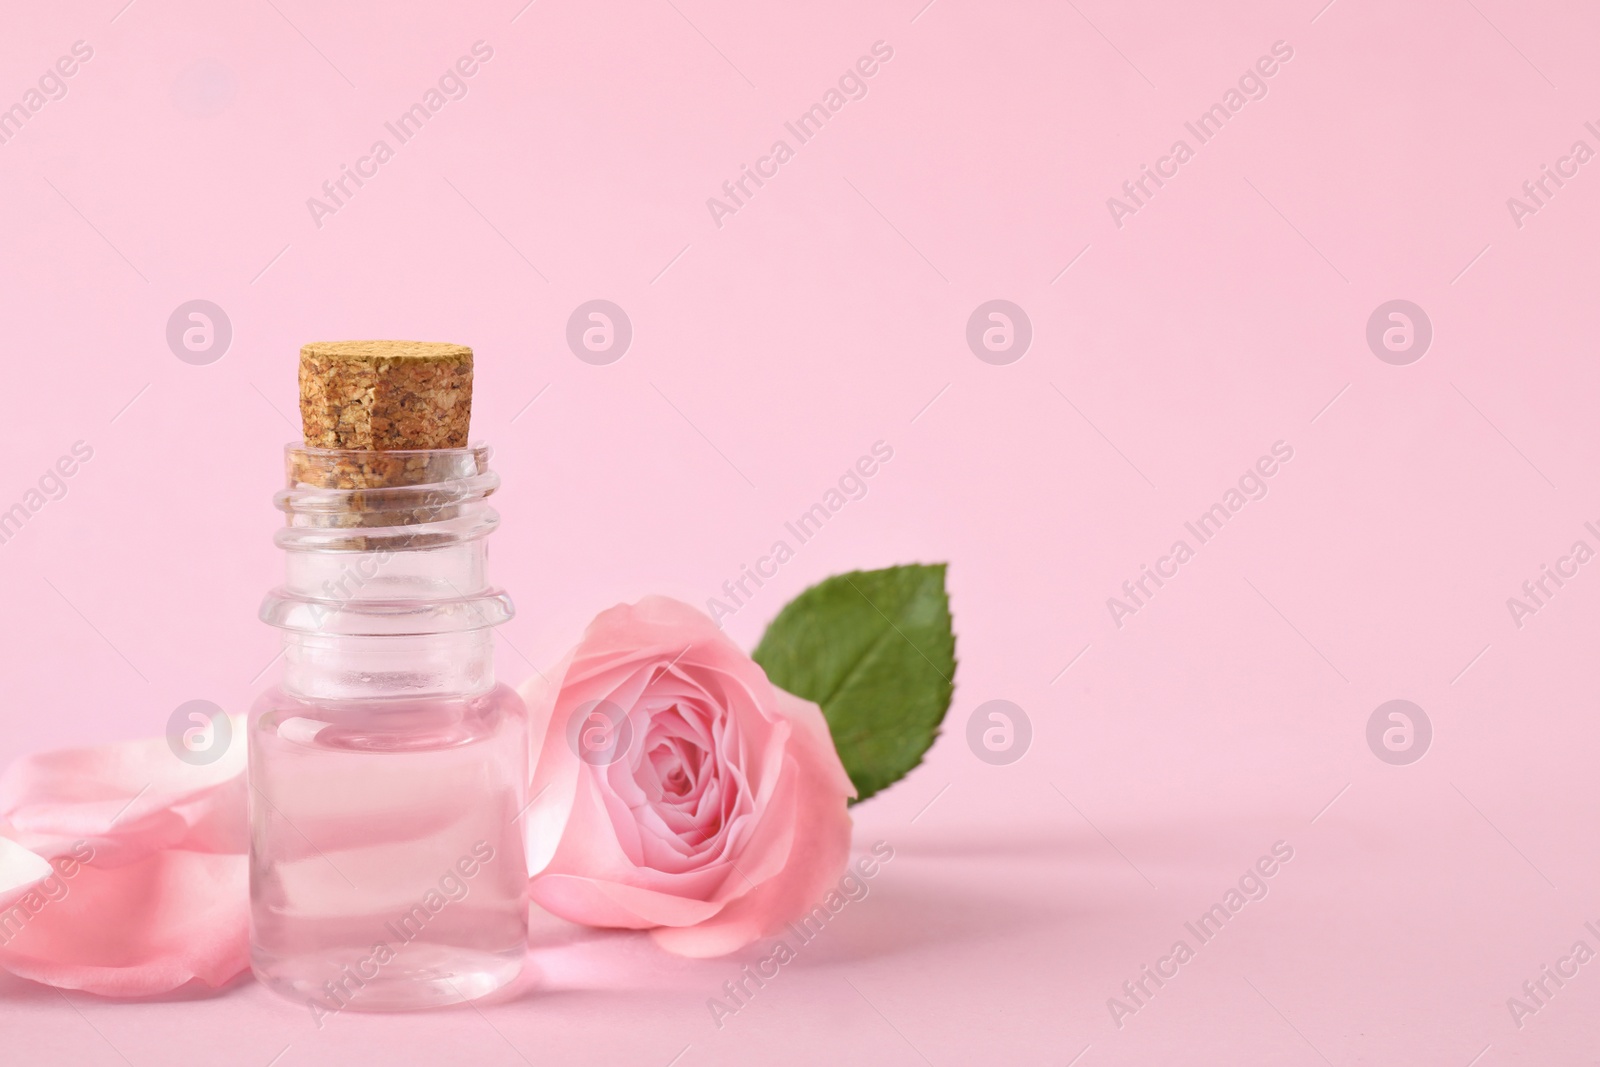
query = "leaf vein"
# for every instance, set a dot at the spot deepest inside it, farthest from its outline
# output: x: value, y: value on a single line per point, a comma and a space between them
x: 860, y: 663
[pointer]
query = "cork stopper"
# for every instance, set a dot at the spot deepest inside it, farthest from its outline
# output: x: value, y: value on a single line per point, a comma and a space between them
x: 385, y: 396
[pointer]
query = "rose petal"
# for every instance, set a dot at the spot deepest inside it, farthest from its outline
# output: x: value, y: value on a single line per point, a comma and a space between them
x: 555, y: 768
x: 126, y: 799
x: 20, y: 870
x: 143, y: 928
x: 817, y: 856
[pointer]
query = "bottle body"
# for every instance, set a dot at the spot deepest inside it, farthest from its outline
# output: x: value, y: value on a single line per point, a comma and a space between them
x: 387, y: 862
x: 388, y: 769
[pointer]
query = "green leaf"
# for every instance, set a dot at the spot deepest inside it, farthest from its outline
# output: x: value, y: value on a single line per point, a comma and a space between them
x: 876, y: 650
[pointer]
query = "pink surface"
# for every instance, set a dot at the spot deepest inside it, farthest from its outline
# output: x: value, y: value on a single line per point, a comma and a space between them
x: 827, y: 313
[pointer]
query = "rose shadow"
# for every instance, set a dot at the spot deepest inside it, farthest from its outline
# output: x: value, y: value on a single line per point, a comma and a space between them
x: 940, y: 906
x: 959, y: 888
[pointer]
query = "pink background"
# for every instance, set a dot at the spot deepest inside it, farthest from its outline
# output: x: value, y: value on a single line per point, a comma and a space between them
x: 827, y: 314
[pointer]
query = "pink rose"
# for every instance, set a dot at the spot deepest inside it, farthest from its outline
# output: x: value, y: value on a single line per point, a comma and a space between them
x: 677, y: 789
x: 122, y: 868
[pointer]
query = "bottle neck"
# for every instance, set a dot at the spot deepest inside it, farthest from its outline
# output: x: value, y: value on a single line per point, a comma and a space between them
x: 349, y: 580
x: 386, y: 592
x: 389, y: 666
x: 325, y: 664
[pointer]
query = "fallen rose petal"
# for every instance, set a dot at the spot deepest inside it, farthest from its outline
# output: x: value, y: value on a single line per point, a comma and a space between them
x: 134, y: 930
x: 126, y: 799
x: 20, y: 870
x: 123, y: 868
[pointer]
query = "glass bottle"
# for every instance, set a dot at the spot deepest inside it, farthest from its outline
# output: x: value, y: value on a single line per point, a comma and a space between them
x: 388, y: 770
